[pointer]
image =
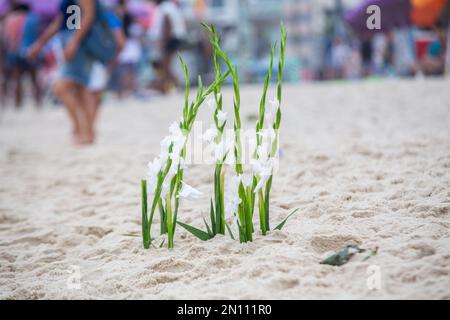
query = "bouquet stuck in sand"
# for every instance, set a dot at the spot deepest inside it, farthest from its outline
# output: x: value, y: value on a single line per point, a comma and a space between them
x: 248, y: 188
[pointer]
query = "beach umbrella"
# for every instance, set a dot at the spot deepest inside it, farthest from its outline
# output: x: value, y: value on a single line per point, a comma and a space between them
x: 425, y: 13
x: 47, y: 8
x: 394, y: 14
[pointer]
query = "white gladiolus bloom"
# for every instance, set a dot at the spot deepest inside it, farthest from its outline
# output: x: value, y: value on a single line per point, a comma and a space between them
x: 271, y: 111
x: 274, y: 104
x: 220, y: 150
x: 211, y: 103
x: 269, y: 118
x: 210, y: 134
x: 232, y: 199
x: 261, y: 183
x: 221, y: 117
x: 232, y: 204
x: 188, y: 192
x: 268, y: 136
x: 262, y: 169
x: 165, y: 188
x: 175, y: 130
x: 179, y: 162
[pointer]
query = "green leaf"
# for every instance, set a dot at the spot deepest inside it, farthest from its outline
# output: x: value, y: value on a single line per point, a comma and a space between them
x: 162, y: 243
x: 212, y: 216
x: 343, y: 256
x: 145, y: 221
x: 281, y: 225
x: 211, y: 234
x: 229, y: 231
x: 202, y: 235
x: 131, y: 234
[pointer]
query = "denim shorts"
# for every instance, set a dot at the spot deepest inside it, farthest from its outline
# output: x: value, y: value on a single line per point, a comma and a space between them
x: 79, y: 68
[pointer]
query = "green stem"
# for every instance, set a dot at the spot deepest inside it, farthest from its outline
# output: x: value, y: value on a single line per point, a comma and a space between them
x: 145, y: 222
x: 162, y: 213
x: 169, y: 221
x: 262, y: 215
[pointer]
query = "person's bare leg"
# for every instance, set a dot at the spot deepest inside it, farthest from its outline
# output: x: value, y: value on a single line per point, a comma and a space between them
x: 17, y: 74
x: 37, y: 91
x: 167, y: 73
x: 67, y: 91
x: 170, y: 76
x: 88, y: 107
x: 97, y: 98
x: 4, y: 89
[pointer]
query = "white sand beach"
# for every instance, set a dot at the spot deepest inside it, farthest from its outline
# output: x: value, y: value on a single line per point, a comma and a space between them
x: 366, y: 163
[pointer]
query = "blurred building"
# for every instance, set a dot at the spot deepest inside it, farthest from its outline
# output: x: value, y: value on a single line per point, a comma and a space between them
x: 249, y: 27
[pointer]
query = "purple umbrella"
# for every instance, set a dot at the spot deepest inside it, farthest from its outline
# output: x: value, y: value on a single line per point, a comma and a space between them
x: 394, y: 14
x: 45, y: 8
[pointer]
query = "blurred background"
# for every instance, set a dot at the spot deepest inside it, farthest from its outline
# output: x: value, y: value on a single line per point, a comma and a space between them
x: 327, y: 40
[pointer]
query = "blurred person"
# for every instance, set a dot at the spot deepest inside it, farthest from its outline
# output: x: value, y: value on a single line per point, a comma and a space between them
x: 3, y: 65
x: 340, y: 54
x: 20, y: 29
x: 404, y: 55
x: 352, y: 69
x: 123, y: 77
x: 447, y: 56
x: 169, y: 32
x: 71, y: 87
x: 98, y: 80
x: 367, y: 56
x: 433, y: 61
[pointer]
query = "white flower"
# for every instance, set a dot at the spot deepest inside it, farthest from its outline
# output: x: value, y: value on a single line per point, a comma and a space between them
x: 178, y: 163
x: 220, y: 150
x: 261, y: 183
x: 236, y: 180
x: 230, y: 159
x: 165, y: 187
x: 166, y: 142
x: 221, y: 117
x: 232, y: 204
x: 271, y: 111
x: 263, y: 170
x: 189, y: 192
x: 267, y: 137
x: 152, y: 174
x: 256, y: 166
x: 268, y: 118
x: 210, y: 134
x: 274, y: 104
x: 175, y: 130
x: 155, y: 165
x: 211, y: 103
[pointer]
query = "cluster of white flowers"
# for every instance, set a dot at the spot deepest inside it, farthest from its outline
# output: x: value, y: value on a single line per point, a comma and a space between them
x: 271, y: 112
x: 189, y: 192
x: 214, y: 138
x: 263, y: 163
x: 171, y: 148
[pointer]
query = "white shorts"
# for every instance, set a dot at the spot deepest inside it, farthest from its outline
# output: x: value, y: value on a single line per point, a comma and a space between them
x: 98, y: 78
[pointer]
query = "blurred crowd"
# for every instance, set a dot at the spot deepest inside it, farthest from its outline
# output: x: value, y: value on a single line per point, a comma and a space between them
x: 401, y: 53
x: 36, y: 45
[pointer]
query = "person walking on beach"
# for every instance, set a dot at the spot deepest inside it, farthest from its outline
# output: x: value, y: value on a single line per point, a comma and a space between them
x: 169, y: 31
x: 71, y: 88
x: 20, y: 30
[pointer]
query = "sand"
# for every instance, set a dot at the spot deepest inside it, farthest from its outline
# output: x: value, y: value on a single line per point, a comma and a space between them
x: 366, y: 163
